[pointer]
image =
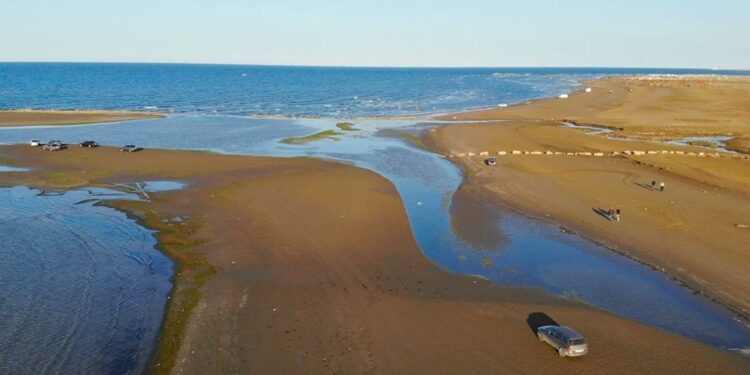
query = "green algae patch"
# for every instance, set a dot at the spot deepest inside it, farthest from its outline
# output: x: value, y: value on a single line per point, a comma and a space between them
x: 346, y: 126
x: 192, y: 270
x: 325, y: 134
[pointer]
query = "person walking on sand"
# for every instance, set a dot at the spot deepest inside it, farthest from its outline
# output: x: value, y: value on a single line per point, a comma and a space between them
x: 611, y: 213
x: 653, y: 184
x: 661, y: 186
x: 617, y: 214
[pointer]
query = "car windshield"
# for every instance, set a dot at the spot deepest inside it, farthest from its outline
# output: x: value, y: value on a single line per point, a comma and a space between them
x: 577, y: 342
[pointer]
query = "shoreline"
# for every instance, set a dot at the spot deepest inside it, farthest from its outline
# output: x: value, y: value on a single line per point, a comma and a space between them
x: 17, y: 118
x: 633, y: 253
x: 388, y: 291
x: 628, y: 94
x: 736, y: 312
x: 678, y: 170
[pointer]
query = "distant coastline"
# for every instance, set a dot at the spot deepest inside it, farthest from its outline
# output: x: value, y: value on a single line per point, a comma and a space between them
x: 33, y: 117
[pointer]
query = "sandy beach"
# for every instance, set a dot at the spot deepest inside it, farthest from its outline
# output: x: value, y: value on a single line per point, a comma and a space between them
x: 305, y: 266
x: 647, y: 107
x: 695, y: 230
x: 43, y: 117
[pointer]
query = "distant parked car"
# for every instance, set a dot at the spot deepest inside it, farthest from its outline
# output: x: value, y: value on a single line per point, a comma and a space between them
x: 491, y: 161
x: 35, y: 143
x: 89, y: 144
x: 130, y: 148
x: 567, y: 341
x: 54, y: 146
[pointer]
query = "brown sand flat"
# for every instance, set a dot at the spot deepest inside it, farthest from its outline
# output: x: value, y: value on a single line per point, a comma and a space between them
x: 690, y: 229
x: 36, y: 118
x: 739, y: 144
x: 317, y: 272
x: 645, y: 106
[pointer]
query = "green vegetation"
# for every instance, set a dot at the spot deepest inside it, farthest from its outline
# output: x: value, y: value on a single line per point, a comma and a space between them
x: 325, y: 134
x: 192, y: 270
x: 5, y: 160
x: 175, y: 239
x: 346, y: 126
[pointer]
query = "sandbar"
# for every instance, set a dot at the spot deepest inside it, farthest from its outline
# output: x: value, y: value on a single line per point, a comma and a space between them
x: 12, y: 118
x: 309, y: 266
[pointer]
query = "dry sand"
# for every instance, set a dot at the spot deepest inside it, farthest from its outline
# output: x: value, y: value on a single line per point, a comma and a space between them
x: 645, y: 106
x: 316, y: 271
x: 39, y: 117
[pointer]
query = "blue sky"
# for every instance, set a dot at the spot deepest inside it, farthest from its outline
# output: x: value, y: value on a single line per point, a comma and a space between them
x: 638, y: 33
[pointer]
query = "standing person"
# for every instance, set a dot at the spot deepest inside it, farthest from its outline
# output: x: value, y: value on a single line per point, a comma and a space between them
x: 653, y: 184
x: 617, y: 214
x: 611, y: 213
x: 661, y: 186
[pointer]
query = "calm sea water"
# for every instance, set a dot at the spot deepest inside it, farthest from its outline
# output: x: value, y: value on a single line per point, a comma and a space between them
x: 99, y: 260
x: 273, y: 90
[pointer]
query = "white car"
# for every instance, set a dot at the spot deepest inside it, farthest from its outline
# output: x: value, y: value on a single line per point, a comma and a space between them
x: 130, y: 148
x: 54, y: 146
x: 35, y: 143
x: 567, y: 341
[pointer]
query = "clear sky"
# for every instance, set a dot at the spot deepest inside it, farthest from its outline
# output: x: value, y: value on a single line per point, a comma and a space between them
x: 621, y: 33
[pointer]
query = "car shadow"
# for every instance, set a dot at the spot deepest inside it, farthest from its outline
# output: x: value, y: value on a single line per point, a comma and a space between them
x: 645, y: 186
x: 539, y: 319
x: 602, y: 212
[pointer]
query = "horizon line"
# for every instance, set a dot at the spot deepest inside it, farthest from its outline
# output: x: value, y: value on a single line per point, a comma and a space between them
x: 367, y: 66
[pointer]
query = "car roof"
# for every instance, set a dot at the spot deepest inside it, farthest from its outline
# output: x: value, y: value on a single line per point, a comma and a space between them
x: 567, y: 332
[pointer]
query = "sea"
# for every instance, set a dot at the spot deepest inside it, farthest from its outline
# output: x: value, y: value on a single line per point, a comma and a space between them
x: 287, y: 91
x: 85, y: 287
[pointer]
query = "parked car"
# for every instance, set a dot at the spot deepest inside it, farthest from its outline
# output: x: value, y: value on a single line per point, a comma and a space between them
x: 130, y: 148
x: 35, y: 143
x: 54, y: 146
x: 567, y: 341
x: 89, y: 144
x: 491, y: 161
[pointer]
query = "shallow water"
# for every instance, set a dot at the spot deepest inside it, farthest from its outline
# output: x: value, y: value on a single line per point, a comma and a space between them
x: 538, y: 255
x: 84, y: 288
x: 6, y: 168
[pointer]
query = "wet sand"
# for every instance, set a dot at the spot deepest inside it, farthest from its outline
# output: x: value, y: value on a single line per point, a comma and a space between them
x: 695, y: 230
x: 305, y: 266
x: 42, y: 117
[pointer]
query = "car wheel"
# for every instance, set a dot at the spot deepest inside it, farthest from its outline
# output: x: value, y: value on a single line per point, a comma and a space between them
x: 561, y: 352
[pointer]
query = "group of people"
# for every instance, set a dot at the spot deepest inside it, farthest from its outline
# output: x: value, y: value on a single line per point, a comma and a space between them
x: 614, y: 213
x: 661, y: 185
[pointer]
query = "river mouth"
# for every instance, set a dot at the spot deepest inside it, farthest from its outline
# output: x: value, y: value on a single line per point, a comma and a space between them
x: 535, y: 255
